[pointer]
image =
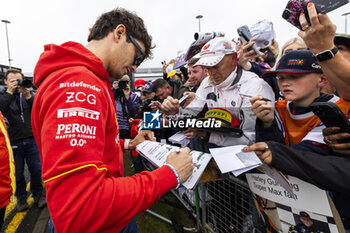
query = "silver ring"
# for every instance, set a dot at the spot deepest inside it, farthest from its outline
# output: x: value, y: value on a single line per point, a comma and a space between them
x: 177, y: 150
x: 307, y: 26
x: 266, y: 147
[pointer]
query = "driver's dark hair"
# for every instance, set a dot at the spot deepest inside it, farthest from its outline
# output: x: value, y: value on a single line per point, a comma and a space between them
x: 134, y: 25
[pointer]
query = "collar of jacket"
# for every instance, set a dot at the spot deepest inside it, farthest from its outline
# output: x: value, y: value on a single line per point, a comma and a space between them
x: 297, y: 110
x: 226, y: 83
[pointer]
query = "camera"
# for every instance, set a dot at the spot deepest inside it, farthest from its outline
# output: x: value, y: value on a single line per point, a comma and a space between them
x: 163, y: 63
x: 286, y: 14
x: 208, y: 36
x: 26, y: 83
x: 123, y: 85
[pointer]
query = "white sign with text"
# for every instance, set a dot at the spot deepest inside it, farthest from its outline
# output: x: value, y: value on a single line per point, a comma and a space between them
x: 305, y: 197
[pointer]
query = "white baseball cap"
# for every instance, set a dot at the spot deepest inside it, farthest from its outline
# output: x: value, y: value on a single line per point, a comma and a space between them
x: 214, y: 51
x: 263, y: 32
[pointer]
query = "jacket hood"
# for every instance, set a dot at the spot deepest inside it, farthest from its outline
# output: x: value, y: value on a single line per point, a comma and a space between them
x: 69, y: 54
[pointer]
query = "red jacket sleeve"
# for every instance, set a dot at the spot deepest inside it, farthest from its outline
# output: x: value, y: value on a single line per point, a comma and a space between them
x: 74, y: 123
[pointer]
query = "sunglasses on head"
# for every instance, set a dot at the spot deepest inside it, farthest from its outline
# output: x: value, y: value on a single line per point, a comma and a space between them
x: 138, y: 59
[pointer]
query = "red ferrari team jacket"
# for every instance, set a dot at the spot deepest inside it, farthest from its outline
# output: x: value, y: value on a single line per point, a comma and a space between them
x: 7, y: 167
x: 75, y: 127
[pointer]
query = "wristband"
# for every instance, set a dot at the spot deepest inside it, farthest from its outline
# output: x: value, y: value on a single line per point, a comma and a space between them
x: 176, y: 174
x: 326, y: 55
x: 126, y: 144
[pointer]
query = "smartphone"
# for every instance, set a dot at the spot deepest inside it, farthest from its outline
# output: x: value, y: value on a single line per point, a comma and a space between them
x: 245, y: 36
x: 294, y: 7
x: 331, y: 116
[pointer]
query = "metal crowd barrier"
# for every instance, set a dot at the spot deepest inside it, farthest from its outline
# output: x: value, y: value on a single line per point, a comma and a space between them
x: 224, y: 206
x: 231, y: 207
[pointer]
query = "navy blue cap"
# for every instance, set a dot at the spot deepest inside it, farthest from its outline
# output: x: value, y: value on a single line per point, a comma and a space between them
x: 296, y: 62
x: 148, y: 87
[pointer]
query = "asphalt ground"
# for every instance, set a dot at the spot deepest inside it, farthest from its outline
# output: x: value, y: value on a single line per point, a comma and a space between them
x: 33, y: 220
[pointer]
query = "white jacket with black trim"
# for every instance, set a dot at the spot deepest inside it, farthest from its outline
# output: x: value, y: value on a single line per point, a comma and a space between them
x: 227, y: 95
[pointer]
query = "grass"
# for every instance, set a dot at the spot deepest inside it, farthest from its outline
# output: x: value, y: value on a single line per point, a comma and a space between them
x: 148, y: 223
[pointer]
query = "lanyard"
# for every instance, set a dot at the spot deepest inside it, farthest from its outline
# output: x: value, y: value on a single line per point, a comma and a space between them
x: 21, y: 106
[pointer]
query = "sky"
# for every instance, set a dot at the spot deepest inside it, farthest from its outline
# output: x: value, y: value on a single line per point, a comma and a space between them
x: 172, y: 24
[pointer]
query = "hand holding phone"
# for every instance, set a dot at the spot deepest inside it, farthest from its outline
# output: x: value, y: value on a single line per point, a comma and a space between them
x: 246, y: 36
x: 331, y: 116
x: 333, y: 138
x: 295, y: 7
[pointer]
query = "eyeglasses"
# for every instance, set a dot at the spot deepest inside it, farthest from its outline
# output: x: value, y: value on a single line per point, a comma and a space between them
x: 138, y: 59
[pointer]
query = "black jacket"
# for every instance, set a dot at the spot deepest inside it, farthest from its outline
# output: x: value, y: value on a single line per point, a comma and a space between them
x: 178, y: 89
x: 11, y: 109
